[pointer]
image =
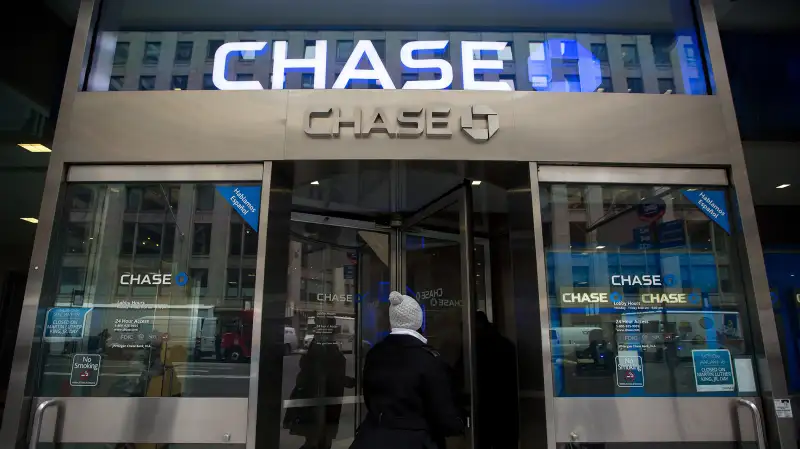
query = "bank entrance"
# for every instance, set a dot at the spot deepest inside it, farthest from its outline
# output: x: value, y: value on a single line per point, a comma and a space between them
x: 234, y: 304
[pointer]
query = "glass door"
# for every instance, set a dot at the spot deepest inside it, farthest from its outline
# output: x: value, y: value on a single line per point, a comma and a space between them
x: 149, y: 318
x: 438, y: 268
x: 646, y: 306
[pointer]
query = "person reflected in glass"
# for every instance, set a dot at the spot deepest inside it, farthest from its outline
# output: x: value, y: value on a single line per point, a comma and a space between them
x: 407, y: 390
x: 498, y: 412
x: 322, y: 378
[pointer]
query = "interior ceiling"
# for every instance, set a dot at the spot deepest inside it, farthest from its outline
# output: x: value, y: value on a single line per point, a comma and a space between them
x: 758, y: 15
x: 753, y: 15
x: 770, y: 164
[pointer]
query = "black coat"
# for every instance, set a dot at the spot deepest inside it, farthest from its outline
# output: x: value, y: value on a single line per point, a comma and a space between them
x: 409, y: 397
x: 497, y: 414
x: 322, y: 375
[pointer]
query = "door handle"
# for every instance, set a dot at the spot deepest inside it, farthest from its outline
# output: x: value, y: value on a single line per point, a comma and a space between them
x: 758, y: 423
x: 37, y: 421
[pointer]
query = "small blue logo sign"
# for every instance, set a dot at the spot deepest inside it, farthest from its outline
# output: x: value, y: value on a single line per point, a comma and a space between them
x: 615, y: 297
x: 695, y: 298
x: 181, y: 279
x: 669, y: 280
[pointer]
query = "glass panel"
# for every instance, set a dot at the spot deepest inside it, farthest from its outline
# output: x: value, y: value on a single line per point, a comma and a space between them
x: 641, y: 292
x: 337, y: 241
x: 137, y: 305
x: 433, y: 276
x: 338, y: 280
x: 540, y: 43
x: 183, y: 52
x: 433, y: 268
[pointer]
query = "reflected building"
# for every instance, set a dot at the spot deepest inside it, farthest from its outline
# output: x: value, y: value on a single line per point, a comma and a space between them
x: 549, y: 61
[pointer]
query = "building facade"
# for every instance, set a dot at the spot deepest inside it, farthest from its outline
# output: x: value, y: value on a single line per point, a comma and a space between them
x: 235, y: 189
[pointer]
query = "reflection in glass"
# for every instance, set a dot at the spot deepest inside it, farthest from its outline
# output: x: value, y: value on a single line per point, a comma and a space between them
x: 183, y: 52
x: 334, y: 274
x: 180, y: 82
x: 341, y: 259
x: 152, y: 52
x: 666, y: 49
x: 150, y: 283
x: 121, y: 53
x: 638, y: 289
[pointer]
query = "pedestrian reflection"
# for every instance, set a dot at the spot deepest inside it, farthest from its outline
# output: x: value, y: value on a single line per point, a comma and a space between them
x: 157, y: 377
x: 497, y: 413
x: 598, y: 357
x: 319, y: 389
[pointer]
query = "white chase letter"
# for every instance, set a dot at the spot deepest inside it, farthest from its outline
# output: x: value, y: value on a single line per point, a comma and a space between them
x: 470, y: 64
x: 377, y: 72
x: 280, y: 64
x: 221, y: 62
x: 407, y: 59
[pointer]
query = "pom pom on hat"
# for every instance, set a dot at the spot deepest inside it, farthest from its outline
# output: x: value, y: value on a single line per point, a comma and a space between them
x: 404, y: 312
x: 395, y: 298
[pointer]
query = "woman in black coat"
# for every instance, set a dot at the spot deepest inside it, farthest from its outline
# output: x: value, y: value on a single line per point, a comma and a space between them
x: 407, y: 390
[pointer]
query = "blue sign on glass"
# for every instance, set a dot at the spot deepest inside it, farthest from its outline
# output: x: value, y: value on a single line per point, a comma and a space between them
x: 642, y: 237
x: 671, y: 234
x: 713, y: 370
x: 65, y: 323
x: 651, y: 210
x: 712, y: 203
x: 244, y: 200
x: 630, y: 371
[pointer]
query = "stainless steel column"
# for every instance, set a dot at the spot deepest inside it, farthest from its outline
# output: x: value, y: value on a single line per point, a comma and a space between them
x: 781, y: 431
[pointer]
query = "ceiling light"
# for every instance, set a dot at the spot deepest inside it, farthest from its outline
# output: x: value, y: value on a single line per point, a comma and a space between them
x: 476, y: 183
x: 35, y: 147
x: 600, y: 246
x: 783, y: 186
x: 314, y: 183
x: 30, y: 220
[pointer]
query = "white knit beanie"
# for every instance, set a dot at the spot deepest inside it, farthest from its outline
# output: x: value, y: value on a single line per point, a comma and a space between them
x: 404, y: 312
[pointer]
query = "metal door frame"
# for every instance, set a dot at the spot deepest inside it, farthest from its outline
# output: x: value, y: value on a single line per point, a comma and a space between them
x: 588, y: 419
x: 397, y: 258
x: 126, y: 419
x: 461, y: 195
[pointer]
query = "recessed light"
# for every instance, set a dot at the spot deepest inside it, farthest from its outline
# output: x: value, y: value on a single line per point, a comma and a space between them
x: 476, y: 183
x: 314, y: 183
x: 783, y: 186
x: 35, y: 147
x: 601, y: 246
x: 30, y: 220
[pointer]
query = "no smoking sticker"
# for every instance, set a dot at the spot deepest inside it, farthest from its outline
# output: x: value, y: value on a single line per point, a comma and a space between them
x: 85, y: 370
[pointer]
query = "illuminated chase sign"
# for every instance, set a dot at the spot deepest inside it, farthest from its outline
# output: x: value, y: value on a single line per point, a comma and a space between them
x: 579, y: 297
x: 317, y: 65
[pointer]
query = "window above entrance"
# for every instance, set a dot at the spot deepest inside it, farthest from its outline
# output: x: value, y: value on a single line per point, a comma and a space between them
x: 493, y: 46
